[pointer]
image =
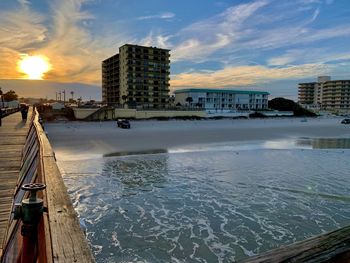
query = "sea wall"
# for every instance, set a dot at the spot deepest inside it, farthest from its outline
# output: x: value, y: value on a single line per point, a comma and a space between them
x: 82, y: 113
x: 168, y: 114
x: 147, y: 114
x: 109, y: 114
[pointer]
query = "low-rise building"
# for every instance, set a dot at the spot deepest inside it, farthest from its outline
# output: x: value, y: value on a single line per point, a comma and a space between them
x: 222, y: 99
x: 57, y: 105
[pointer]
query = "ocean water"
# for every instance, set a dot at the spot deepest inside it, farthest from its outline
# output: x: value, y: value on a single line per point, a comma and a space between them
x: 210, y: 203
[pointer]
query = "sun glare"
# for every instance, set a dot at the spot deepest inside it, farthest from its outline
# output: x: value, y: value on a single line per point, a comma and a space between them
x: 34, y: 66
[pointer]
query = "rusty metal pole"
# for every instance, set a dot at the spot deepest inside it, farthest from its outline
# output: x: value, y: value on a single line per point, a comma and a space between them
x: 30, y: 212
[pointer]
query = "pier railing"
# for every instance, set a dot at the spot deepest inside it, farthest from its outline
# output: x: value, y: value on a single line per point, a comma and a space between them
x: 58, y: 236
x: 330, y: 247
x: 8, y: 111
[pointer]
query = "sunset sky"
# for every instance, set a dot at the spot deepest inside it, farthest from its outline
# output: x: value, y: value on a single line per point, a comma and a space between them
x: 265, y: 44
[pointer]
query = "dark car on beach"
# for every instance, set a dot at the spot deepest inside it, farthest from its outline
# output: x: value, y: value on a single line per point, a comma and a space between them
x: 345, y: 121
x: 122, y: 123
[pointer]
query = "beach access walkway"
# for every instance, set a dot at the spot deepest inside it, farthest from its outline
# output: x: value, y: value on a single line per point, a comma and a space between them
x: 13, y: 134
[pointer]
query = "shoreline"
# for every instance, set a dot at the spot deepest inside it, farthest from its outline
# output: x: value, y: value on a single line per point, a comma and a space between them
x: 78, y: 139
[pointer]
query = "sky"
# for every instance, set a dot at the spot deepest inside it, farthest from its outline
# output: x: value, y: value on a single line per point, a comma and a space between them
x: 267, y: 45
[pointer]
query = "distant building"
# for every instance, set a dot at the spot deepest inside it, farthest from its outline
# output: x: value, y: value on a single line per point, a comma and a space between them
x: 325, y: 94
x: 57, y: 105
x: 9, y: 104
x: 137, y: 76
x: 222, y: 99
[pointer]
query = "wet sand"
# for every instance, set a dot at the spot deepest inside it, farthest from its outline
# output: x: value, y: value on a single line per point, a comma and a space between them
x: 101, y: 138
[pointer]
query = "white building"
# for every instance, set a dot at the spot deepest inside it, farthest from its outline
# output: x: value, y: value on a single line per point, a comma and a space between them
x: 9, y: 104
x: 57, y: 105
x: 222, y: 99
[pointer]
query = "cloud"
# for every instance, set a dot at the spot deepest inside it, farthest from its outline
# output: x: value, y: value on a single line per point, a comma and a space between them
x: 214, y: 33
x: 23, y: 2
x: 286, y: 59
x: 164, y: 15
x: 9, y: 58
x: 307, y: 2
x: 158, y: 40
x: 21, y: 30
x: 63, y: 37
x: 72, y: 50
x: 280, y: 61
x: 310, y: 55
x: 246, y: 75
x: 315, y: 15
x: 248, y: 28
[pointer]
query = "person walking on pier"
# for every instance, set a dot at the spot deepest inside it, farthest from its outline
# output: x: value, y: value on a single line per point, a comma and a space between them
x: 24, y: 112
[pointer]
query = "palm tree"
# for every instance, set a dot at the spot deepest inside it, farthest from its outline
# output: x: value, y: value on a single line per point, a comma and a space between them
x: 72, y: 93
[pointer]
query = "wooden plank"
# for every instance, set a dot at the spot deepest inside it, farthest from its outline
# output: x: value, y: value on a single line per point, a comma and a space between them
x: 329, y: 247
x: 10, y: 163
x: 12, y: 141
x: 68, y: 241
x: 13, y: 133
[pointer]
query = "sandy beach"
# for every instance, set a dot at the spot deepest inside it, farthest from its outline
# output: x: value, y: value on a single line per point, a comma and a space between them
x: 99, y: 138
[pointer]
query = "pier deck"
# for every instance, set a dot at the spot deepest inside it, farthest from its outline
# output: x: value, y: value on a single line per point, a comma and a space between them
x: 13, y: 133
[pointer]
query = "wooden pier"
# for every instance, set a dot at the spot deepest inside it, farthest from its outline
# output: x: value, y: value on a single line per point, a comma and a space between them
x: 13, y: 133
x: 26, y: 157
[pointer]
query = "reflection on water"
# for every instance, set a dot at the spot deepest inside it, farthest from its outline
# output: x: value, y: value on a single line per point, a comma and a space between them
x: 136, y: 175
x: 217, y: 204
x: 125, y: 153
x: 325, y: 143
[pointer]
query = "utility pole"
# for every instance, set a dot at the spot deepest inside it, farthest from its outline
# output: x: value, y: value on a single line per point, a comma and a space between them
x: 56, y: 96
x: 64, y: 97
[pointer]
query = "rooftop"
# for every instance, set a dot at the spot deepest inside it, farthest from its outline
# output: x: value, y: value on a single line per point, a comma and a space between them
x: 222, y: 90
x: 328, y: 81
x: 132, y: 45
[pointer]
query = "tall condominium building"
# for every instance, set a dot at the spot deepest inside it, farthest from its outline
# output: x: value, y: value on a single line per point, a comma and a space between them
x: 137, y: 76
x: 325, y: 93
x: 222, y: 99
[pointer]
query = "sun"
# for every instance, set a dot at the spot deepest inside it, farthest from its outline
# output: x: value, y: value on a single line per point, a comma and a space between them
x: 34, y: 66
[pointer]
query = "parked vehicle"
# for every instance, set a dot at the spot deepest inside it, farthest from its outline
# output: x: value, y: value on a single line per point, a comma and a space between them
x: 124, y: 124
x: 345, y: 121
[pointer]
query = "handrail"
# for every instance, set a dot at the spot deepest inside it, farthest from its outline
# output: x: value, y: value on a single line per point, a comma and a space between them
x: 60, y: 238
x: 67, y: 240
x: 333, y: 247
x: 8, y: 111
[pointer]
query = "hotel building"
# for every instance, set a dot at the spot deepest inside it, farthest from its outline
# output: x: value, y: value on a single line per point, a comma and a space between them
x: 137, y: 76
x: 325, y: 94
x: 222, y: 99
